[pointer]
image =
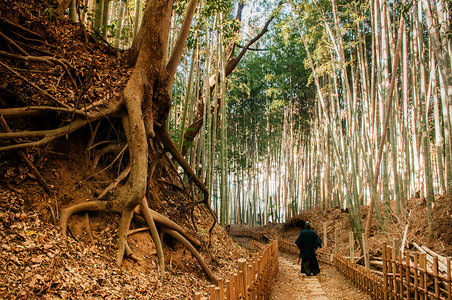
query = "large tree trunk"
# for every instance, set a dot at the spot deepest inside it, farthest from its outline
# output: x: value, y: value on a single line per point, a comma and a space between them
x: 147, y: 102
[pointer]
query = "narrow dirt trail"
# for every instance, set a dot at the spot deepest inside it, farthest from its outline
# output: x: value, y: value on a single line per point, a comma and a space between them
x: 330, y: 284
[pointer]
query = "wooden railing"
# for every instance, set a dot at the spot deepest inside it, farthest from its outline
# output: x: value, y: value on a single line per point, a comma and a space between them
x: 406, y: 277
x: 288, y: 246
x: 257, y: 235
x: 248, y: 243
x: 253, y: 281
x: 363, y: 278
x: 410, y: 277
x: 398, y: 277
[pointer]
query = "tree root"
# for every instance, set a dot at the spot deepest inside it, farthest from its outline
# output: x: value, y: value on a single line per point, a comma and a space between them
x: 26, y: 160
x: 13, y: 43
x: 88, y: 227
x: 155, y: 236
x: 37, y: 111
x: 21, y: 27
x: 123, y: 229
x: 171, y: 184
x: 133, y: 231
x: 170, y: 147
x: 193, y: 251
x: 115, y: 182
x: 52, y: 134
x: 164, y: 221
x: 46, y: 135
x: 120, y: 148
x: 83, y: 207
x: 52, y: 61
x: 35, y: 86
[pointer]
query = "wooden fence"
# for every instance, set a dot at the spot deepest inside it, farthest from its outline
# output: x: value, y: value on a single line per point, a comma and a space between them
x: 257, y: 235
x: 248, y: 243
x: 406, y: 277
x: 288, y: 246
x: 363, y: 278
x: 253, y: 281
x: 410, y: 277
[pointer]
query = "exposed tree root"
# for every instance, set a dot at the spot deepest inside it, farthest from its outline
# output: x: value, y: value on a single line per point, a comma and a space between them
x: 115, y: 182
x: 10, y: 41
x: 123, y: 229
x: 90, y: 145
x: 193, y: 251
x: 52, y: 61
x: 35, y: 86
x: 37, y: 111
x: 155, y: 236
x: 88, y: 227
x: 169, y: 146
x: 82, y: 207
x: 115, y: 148
x: 164, y: 221
x: 26, y: 160
x: 52, y: 134
x: 171, y: 184
x: 22, y: 28
x: 133, y: 231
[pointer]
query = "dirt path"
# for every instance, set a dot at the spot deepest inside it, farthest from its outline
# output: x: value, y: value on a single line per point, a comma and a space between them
x: 329, y: 284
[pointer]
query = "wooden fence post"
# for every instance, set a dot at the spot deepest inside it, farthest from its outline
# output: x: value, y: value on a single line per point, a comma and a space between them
x: 352, y: 246
x: 236, y: 286
x: 400, y: 262
x: 408, y: 275
x: 449, y: 292
x: 229, y: 289
x: 416, y: 277
x: 394, y: 270
x: 423, y: 275
x: 435, y: 275
x: 242, y: 268
x: 212, y: 292
x: 385, y: 271
x: 221, y: 288
x: 365, y: 251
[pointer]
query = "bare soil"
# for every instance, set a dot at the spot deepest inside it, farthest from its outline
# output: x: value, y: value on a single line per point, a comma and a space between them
x: 290, y: 284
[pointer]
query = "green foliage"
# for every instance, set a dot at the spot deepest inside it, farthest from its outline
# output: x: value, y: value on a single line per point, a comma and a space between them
x: 264, y: 86
x: 212, y: 7
x: 50, y: 13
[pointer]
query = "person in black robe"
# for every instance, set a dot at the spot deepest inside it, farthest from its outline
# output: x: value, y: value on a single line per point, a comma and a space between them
x: 308, y: 241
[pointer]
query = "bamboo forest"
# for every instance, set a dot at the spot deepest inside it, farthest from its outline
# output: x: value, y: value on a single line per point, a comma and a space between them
x: 199, y: 149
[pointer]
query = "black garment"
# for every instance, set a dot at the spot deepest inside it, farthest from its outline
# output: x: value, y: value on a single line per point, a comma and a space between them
x: 310, y: 266
x: 308, y: 241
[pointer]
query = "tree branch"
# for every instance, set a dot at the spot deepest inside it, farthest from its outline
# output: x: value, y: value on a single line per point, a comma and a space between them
x: 37, y: 111
x: 232, y: 63
x: 174, y: 60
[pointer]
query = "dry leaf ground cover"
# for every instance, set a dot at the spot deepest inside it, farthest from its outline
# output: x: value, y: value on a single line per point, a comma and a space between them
x: 36, y: 261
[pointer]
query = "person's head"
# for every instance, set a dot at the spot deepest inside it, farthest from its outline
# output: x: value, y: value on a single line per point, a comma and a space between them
x: 307, y: 225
